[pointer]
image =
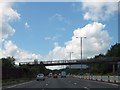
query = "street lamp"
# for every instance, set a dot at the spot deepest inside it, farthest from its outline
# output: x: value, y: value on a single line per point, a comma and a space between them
x: 81, y: 38
x: 70, y: 57
x: 70, y: 54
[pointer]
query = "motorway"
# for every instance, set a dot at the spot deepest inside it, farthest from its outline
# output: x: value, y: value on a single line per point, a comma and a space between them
x: 66, y: 83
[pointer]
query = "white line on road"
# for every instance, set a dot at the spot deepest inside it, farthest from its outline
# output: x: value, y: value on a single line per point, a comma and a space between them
x: 19, y: 84
x: 86, y: 88
x: 75, y: 83
x: 46, y: 84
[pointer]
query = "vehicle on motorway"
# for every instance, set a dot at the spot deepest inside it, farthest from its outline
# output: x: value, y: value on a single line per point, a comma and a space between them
x: 63, y: 74
x: 55, y: 76
x: 40, y: 77
x: 50, y: 75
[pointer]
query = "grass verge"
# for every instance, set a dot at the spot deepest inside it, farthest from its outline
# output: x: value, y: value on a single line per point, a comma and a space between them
x: 9, y: 82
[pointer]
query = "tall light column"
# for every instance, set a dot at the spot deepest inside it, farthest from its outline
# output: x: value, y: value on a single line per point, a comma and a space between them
x: 70, y: 56
x: 81, y: 38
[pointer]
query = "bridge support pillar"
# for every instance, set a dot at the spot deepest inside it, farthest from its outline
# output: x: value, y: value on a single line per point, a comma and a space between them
x: 70, y: 66
x: 119, y: 73
x: 113, y: 68
x: 118, y: 69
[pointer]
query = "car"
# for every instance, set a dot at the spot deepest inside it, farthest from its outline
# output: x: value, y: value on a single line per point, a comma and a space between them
x: 50, y: 75
x: 40, y: 77
x: 55, y: 76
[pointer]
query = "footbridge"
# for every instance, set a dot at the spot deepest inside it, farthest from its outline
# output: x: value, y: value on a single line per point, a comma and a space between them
x: 109, y: 60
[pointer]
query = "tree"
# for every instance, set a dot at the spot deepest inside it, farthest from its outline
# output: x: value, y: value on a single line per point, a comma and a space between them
x: 8, y: 62
x: 8, y: 69
x: 99, y: 56
x: 114, y: 51
x: 104, y: 68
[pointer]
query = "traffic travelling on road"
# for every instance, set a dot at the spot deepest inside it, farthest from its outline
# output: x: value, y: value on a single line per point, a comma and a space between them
x: 65, y: 83
x: 63, y: 74
x: 40, y: 77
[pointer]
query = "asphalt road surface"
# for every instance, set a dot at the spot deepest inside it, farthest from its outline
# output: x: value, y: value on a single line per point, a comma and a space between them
x: 66, y: 83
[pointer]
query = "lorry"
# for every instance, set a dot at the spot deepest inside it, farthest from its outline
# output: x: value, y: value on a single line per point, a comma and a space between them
x: 63, y: 74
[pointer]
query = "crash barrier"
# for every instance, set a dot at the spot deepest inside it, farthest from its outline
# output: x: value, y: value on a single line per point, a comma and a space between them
x: 109, y: 79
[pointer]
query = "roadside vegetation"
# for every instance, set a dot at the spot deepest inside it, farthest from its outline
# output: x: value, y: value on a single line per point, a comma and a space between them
x: 12, y: 74
x: 103, y: 68
x: 14, y: 81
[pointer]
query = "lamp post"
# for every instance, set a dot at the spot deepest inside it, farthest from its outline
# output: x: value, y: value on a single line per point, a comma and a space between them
x: 70, y: 56
x: 81, y: 39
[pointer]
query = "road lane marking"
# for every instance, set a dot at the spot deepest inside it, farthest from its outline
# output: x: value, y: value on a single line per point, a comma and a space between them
x: 86, y: 88
x: 75, y: 83
x: 46, y: 84
x: 19, y: 84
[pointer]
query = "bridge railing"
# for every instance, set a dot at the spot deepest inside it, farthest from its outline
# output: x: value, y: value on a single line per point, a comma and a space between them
x: 50, y: 62
x: 84, y: 61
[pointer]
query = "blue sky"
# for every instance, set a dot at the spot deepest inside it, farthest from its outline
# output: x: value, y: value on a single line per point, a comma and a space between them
x: 44, y: 22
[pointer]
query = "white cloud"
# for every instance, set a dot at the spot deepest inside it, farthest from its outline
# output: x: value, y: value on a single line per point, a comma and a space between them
x: 98, y: 10
x: 51, y: 38
x: 97, y: 42
x: 10, y: 49
x: 7, y: 14
x: 56, y: 44
x: 59, y: 17
x: 27, y: 25
x: 55, y: 67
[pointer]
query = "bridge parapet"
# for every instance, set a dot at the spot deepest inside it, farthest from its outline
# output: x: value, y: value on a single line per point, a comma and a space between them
x: 112, y: 60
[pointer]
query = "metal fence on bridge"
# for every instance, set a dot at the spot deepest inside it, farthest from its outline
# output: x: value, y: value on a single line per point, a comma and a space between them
x: 111, y: 60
